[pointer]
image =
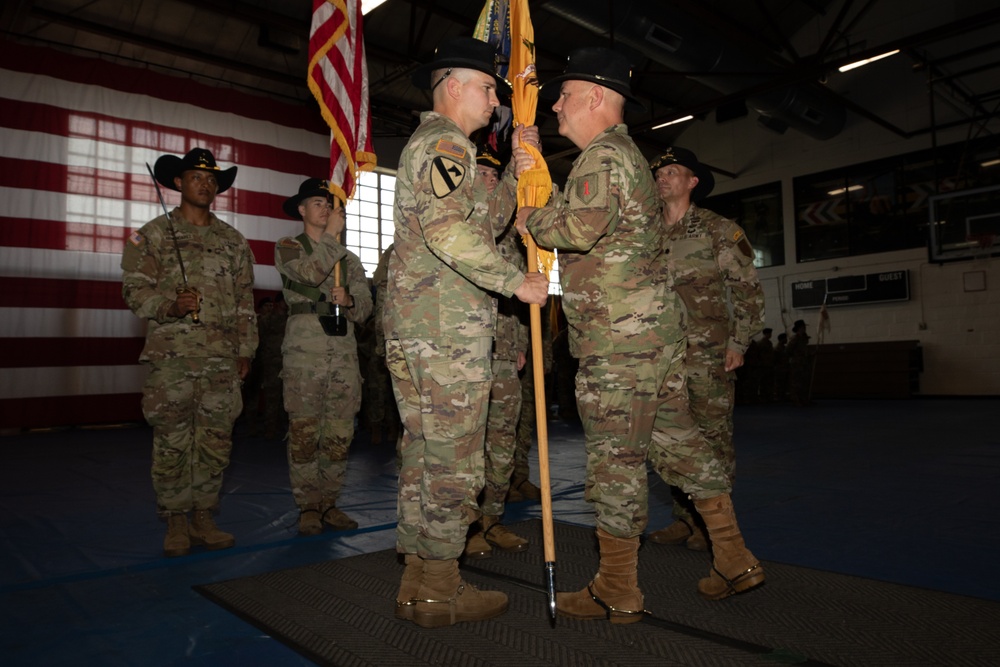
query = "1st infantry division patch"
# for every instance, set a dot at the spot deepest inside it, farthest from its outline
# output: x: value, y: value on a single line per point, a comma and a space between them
x: 446, y: 176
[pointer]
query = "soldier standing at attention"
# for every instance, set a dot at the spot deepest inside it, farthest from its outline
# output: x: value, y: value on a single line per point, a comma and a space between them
x: 509, y: 344
x: 709, y: 257
x: 192, y: 394
x: 322, y: 380
x: 439, y: 321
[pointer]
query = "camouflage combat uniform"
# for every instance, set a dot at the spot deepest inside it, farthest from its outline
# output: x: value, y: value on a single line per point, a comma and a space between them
x: 192, y: 394
x: 511, y: 338
x: 322, y: 381
x: 710, y: 256
x: 380, y: 410
x: 439, y: 322
x: 624, y: 329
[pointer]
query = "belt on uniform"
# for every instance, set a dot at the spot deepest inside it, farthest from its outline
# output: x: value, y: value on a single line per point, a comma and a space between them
x: 311, y: 308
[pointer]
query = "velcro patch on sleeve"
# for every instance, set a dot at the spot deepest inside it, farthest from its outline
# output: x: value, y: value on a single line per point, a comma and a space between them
x: 743, y: 243
x: 450, y: 148
x: 135, y: 238
x: 288, y: 242
x: 446, y: 176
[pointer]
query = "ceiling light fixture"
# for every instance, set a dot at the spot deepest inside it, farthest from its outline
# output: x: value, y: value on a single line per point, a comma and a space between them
x: 673, y: 122
x: 990, y: 163
x: 846, y: 68
x: 368, y: 5
x: 840, y: 191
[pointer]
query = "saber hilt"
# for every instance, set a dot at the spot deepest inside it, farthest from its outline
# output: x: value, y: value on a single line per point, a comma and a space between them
x: 177, y: 247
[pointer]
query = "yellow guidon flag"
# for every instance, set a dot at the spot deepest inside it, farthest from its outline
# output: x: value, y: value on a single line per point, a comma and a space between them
x: 507, y: 23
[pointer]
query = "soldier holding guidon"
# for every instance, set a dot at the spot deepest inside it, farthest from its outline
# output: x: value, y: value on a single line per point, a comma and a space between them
x: 322, y: 380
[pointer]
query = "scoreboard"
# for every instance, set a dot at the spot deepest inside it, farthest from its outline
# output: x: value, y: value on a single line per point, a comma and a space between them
x: 852, y: 290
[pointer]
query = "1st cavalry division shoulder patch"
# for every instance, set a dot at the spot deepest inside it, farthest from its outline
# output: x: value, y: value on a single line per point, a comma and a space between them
x: 446, y: 176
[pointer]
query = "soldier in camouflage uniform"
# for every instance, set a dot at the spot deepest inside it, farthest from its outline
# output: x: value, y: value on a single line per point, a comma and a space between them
x: 709, y: 257
x: 509, y: 344
x: 192, y: 395
x: 381, y: 411
x: 624, y: 328
x: 439, y: 321
x: 322, y: 380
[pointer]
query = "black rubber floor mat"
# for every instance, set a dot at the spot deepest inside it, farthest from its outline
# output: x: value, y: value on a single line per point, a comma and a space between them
x: 342, y: 613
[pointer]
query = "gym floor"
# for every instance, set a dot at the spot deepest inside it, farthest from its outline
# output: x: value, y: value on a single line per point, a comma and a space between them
x: 899, y: 491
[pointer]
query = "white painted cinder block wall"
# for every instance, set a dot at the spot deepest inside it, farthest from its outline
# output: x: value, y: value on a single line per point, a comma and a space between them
x: 958, y: 330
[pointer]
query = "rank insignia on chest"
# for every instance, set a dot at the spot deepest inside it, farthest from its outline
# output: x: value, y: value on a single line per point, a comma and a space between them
x: 446, y: 176
x: 450, y: 148
x: 135, y: 238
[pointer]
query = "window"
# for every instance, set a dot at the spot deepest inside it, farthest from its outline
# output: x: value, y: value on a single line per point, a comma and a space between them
x: 758, y: 211
x: 882, y: 206
x: 369, y: 217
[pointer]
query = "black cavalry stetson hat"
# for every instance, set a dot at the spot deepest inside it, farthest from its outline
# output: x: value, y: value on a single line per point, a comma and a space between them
x: 600, y: 65
x: 311, y: 187
x: 464, y: 52
x: 685, y: 158
x: 168, y: 167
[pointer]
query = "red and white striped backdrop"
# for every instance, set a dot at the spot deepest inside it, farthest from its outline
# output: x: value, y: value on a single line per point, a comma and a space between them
x: 75, y: 136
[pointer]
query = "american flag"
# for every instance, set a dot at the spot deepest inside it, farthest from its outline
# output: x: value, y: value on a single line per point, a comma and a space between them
x: 338, y: 79
x: 75, y: 136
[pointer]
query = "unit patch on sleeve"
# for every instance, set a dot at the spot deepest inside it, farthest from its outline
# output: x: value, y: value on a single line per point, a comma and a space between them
x: 446, y: 176
x: 450, y: 148
x: 741, y: 241
x: 136, y: 238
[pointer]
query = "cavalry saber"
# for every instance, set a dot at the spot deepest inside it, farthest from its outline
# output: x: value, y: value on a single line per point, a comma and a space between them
x: 541, y: 425
x: 173, y: 235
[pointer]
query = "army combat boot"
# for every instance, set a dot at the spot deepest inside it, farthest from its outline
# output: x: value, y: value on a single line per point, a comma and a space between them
x: 336, y: 519
x: 497, y: 535
x: 444, y: 599
x: 409, y: 586
x: 614, y: 593
x: 310, y: 520
x: 684, y: 530
x: 177, y: 542
x: 204, y: 532
x: 734, y: 568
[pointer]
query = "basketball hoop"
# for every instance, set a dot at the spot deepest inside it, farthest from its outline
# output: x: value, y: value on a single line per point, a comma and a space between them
x: 982, y: 244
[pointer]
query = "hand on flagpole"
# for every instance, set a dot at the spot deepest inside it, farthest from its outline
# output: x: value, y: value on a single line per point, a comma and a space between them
x: 521, y: 221
x: 523, y: 161
x: 528, y: 135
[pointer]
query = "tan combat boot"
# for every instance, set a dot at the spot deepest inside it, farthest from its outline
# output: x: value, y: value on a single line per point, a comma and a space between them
x: 699, y: 538
x: 204, y: 532
x: 676, y: 533
x: 476, y: 546
x: 734, y: 568
x: 336, y: 519
x: 444, y: 599
x: 614, y: 593
x: 310, y: 520
x: 409, y: 586
x: 177, y: 542
x: 522, y: 489
x: 497, y: 535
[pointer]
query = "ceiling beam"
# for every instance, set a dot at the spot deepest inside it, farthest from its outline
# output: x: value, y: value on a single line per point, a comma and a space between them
x: 166, y: 47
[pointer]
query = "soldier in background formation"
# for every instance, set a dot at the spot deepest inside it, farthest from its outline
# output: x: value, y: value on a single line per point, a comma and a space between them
x: 320, y: 370
x: 799, y: 366
x: 192, y: 395
x: 439, y: 322
x: 710, y: 262
x: 509, y: 345
x: 781, y: 369
x: 382, y: 414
